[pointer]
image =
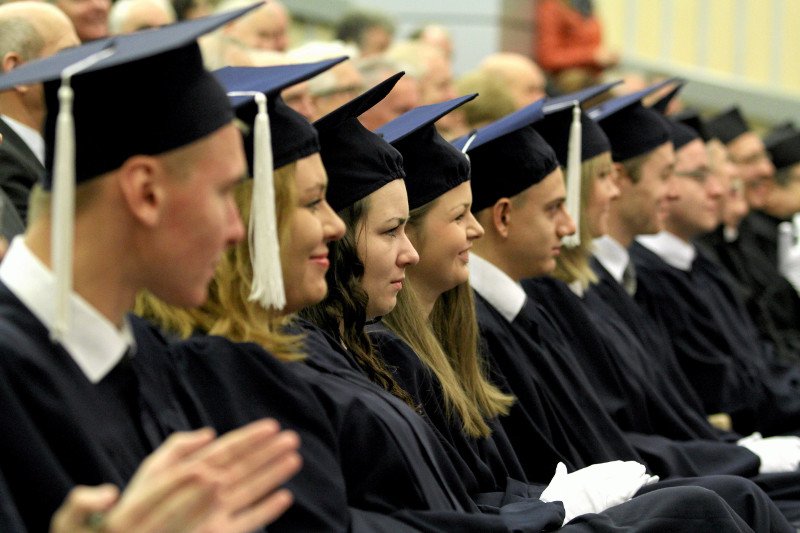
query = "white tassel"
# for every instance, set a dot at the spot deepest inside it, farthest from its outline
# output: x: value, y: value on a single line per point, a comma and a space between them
x: 574, y: 177
x: 62, y: 233
x: 267, y: 287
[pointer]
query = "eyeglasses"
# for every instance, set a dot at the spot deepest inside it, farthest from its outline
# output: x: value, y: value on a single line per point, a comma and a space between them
x: 700, y: 175
x: 753, y: 159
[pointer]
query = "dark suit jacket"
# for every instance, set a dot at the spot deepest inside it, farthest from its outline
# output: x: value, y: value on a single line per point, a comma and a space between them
x: 19, y: 169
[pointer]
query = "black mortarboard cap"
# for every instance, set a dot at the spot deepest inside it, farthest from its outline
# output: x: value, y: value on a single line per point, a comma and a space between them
x: 679, y: 133
x: 149, y: 96
x: 785, y: 150
x: 582, y: 96
x: 358, y: 161
x: 727, y: 125
x: 293, y: 137
x: 432, y: 165
x: 142, y: 93
x: 779, y: 132
x: 691, y: 118
x: 632, y: 129
x: 555, y: 126
x: 275, y: 136
x: 507, y: 156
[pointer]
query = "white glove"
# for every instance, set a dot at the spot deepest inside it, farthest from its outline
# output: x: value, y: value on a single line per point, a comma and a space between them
x: 597, y: 487
x: 777, y: 454
x: 789, y: 253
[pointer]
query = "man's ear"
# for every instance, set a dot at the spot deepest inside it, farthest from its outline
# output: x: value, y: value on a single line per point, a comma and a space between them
x: 143, y: 181
x: 621, y: 176
x: 10, y: 61
x: 501, y: 216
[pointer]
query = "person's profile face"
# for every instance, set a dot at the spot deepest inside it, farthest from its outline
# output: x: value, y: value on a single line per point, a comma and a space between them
x: 90, y: 17
x: 537, y: 225
x: 200, y: 220
x: 443, y: 238
x: 384, y: 248
x: 312, y: 224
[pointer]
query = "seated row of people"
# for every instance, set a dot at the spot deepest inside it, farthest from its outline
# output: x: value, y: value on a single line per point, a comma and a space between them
x: 346, y: 315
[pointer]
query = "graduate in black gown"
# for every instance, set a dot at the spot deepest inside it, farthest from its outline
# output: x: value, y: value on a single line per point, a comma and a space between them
x: 523, y: 344
x: 87, y: 392
x: 712, y: 332
x: 435, y: 310
x: 367, y: 269
x: 749, y: 251
x: 635, y: 387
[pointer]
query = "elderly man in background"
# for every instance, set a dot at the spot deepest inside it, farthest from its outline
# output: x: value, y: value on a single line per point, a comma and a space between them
x: 90, y: 17
x: 524, y: 79
x: 28, y: 31
x: 128, y: 16
x: 403, y: 97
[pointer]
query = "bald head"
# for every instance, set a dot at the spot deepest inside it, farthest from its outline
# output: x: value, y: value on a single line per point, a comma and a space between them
x: 438, y: 37
x: 31, y: 30
x: 28, y: 31
x: 523, y: 77
x: 266, y: 28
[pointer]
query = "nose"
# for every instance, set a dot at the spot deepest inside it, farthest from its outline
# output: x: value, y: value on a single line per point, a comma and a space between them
x: 566, y: 225
x: 474, y: 228
x: 671, y: 189
x: 236, y: 230
x: 408, y: 255
x: 713, y: 187
x: 333, y: 225
x: 613, y: 190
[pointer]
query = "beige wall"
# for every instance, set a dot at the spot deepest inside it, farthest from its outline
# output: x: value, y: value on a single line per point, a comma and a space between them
x: 753, y: 41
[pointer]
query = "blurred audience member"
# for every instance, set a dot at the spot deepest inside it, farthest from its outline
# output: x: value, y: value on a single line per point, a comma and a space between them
x: 192, y: 9
x: 369, y: 31
x: 435, y: 76
x: 28, y: 31
x: 128, y: 16
x: 265, y: 28
x: 569, y: 43
x: 437, y: 36
x: 90, y: 17
x: 402, y: 98
x: 494, y: 99
x: 335, y: 87
x: 523, y: 78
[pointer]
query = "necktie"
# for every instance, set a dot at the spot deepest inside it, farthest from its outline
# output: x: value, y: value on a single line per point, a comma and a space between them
x: 629, y: 279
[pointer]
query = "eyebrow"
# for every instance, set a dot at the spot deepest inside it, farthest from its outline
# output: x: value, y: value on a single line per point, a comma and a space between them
x: 465, y: 205
x: 398, y: 220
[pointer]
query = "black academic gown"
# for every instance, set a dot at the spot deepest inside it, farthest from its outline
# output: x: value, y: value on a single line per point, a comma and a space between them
x: 491, y: 460
x: 409, y: 475
x: 750, y: 264
x: 672, y: 443
x: 61, y: 430
x: 494, y: 460
x: 532, y: 346
x: 717, y: 345
x: 19, y: 169
x: 240, y: 383
x: 648, y: 513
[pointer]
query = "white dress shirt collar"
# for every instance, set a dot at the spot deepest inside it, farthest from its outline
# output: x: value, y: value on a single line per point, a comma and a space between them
x: 93, y: 342
x: 496, y: 287
x: 30, y: 136
x: 612, y: 255
x: 671, y: 249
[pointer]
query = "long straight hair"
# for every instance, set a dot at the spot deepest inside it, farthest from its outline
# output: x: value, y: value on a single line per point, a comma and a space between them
x: 447, y: 343
x: 572, y: 265
x: 227, y: 311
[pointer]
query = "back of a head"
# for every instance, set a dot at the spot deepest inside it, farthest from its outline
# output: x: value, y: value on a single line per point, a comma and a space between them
x: 27, y: 28
x: 495, y: 100
x: 353, y: 26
